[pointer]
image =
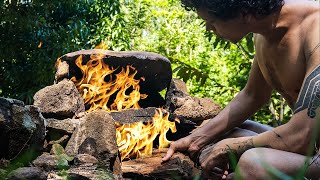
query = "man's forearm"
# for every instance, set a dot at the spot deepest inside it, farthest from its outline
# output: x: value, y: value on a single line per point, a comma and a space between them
x: 295, y: 136
x: 239, y: 109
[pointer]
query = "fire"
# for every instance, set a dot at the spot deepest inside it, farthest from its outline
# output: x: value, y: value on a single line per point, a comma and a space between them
x: 100, y: 83
x: 96, y: 92
x: 137, y: 139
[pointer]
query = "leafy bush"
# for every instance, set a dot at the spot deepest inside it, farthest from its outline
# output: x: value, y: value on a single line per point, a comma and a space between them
x: 34, y: 33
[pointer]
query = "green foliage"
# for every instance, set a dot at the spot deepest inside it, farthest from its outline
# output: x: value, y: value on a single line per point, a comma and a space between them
x: 33, y: 34
x: 63, y: 158
x: 23, y: 159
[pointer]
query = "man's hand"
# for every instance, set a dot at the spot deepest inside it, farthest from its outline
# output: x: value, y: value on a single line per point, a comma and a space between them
x: 218, y: 158
x: 188, y: 143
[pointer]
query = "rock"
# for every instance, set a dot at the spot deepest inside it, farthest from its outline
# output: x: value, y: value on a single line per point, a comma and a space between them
x: 62, y: 68
x: 85, y: 159
x: 21, y: 127
x: 47, y: 161
x: 88, y: 146
x: 41, y: 123
x: 177, y: 88
x: 96, y: 136
x: 27, y: 173
x: 156, y: 69
x: 59, y: 101
x: 84, y: 173
x: 66, y: 126
x: 92, y: 173
x: 60, y: 131
x: 196, y: 109
x: 52, y: 161
x: 185, y: 107
x: 179, y: 85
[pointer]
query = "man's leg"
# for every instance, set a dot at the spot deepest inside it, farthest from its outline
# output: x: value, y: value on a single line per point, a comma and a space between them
x: 234, y: 133
x: 255, y: 126
x: 247, y: 128
x: 258, y: 163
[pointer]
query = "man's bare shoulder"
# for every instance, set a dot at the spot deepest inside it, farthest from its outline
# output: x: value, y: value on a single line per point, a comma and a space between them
x: 311, y: 26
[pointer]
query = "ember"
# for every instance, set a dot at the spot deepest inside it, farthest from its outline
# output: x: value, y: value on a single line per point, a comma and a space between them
x: 99, y: 83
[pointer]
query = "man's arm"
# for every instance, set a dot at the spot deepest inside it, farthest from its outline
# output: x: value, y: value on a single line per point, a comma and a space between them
x: 255, y: 94
x: 296, y: 135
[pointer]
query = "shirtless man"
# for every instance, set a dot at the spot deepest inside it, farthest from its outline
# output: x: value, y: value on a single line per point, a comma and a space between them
x: 287, y: 60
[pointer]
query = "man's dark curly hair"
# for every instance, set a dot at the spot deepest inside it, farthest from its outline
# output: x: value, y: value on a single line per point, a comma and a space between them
x: 228, y: 9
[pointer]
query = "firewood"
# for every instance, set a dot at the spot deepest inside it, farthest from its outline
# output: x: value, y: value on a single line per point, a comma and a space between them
x: 130, y: 116
x: 179, y: 166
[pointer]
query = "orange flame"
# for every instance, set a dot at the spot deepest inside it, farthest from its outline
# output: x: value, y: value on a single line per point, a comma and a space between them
x: 96, y: 92
x: 133, y: 139
x: 137, y: 139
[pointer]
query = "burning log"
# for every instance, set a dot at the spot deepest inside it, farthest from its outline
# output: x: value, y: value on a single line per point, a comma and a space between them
x: 136, y: 140
x: 178, y: 167
x: 130, y: 116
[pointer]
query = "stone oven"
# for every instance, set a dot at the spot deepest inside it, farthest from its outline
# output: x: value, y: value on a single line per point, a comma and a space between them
x: 112, y: 114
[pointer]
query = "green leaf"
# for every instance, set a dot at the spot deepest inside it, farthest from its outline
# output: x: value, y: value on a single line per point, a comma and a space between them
x: 57, y: 149
x: 65, y: 156
x: 250, y: 45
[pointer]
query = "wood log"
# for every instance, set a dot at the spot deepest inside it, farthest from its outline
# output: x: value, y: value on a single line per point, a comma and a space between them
x: 179, y: 166
x: 130, y: 116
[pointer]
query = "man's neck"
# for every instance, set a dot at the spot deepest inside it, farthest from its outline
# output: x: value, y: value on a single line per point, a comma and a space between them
x: 274, y: 26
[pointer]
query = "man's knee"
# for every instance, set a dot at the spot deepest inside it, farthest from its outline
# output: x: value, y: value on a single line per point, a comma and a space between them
x: 249, y: 166
x: 255, y: 126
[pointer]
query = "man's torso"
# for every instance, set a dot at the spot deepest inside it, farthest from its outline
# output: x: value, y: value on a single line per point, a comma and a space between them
x: 283, y: 61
